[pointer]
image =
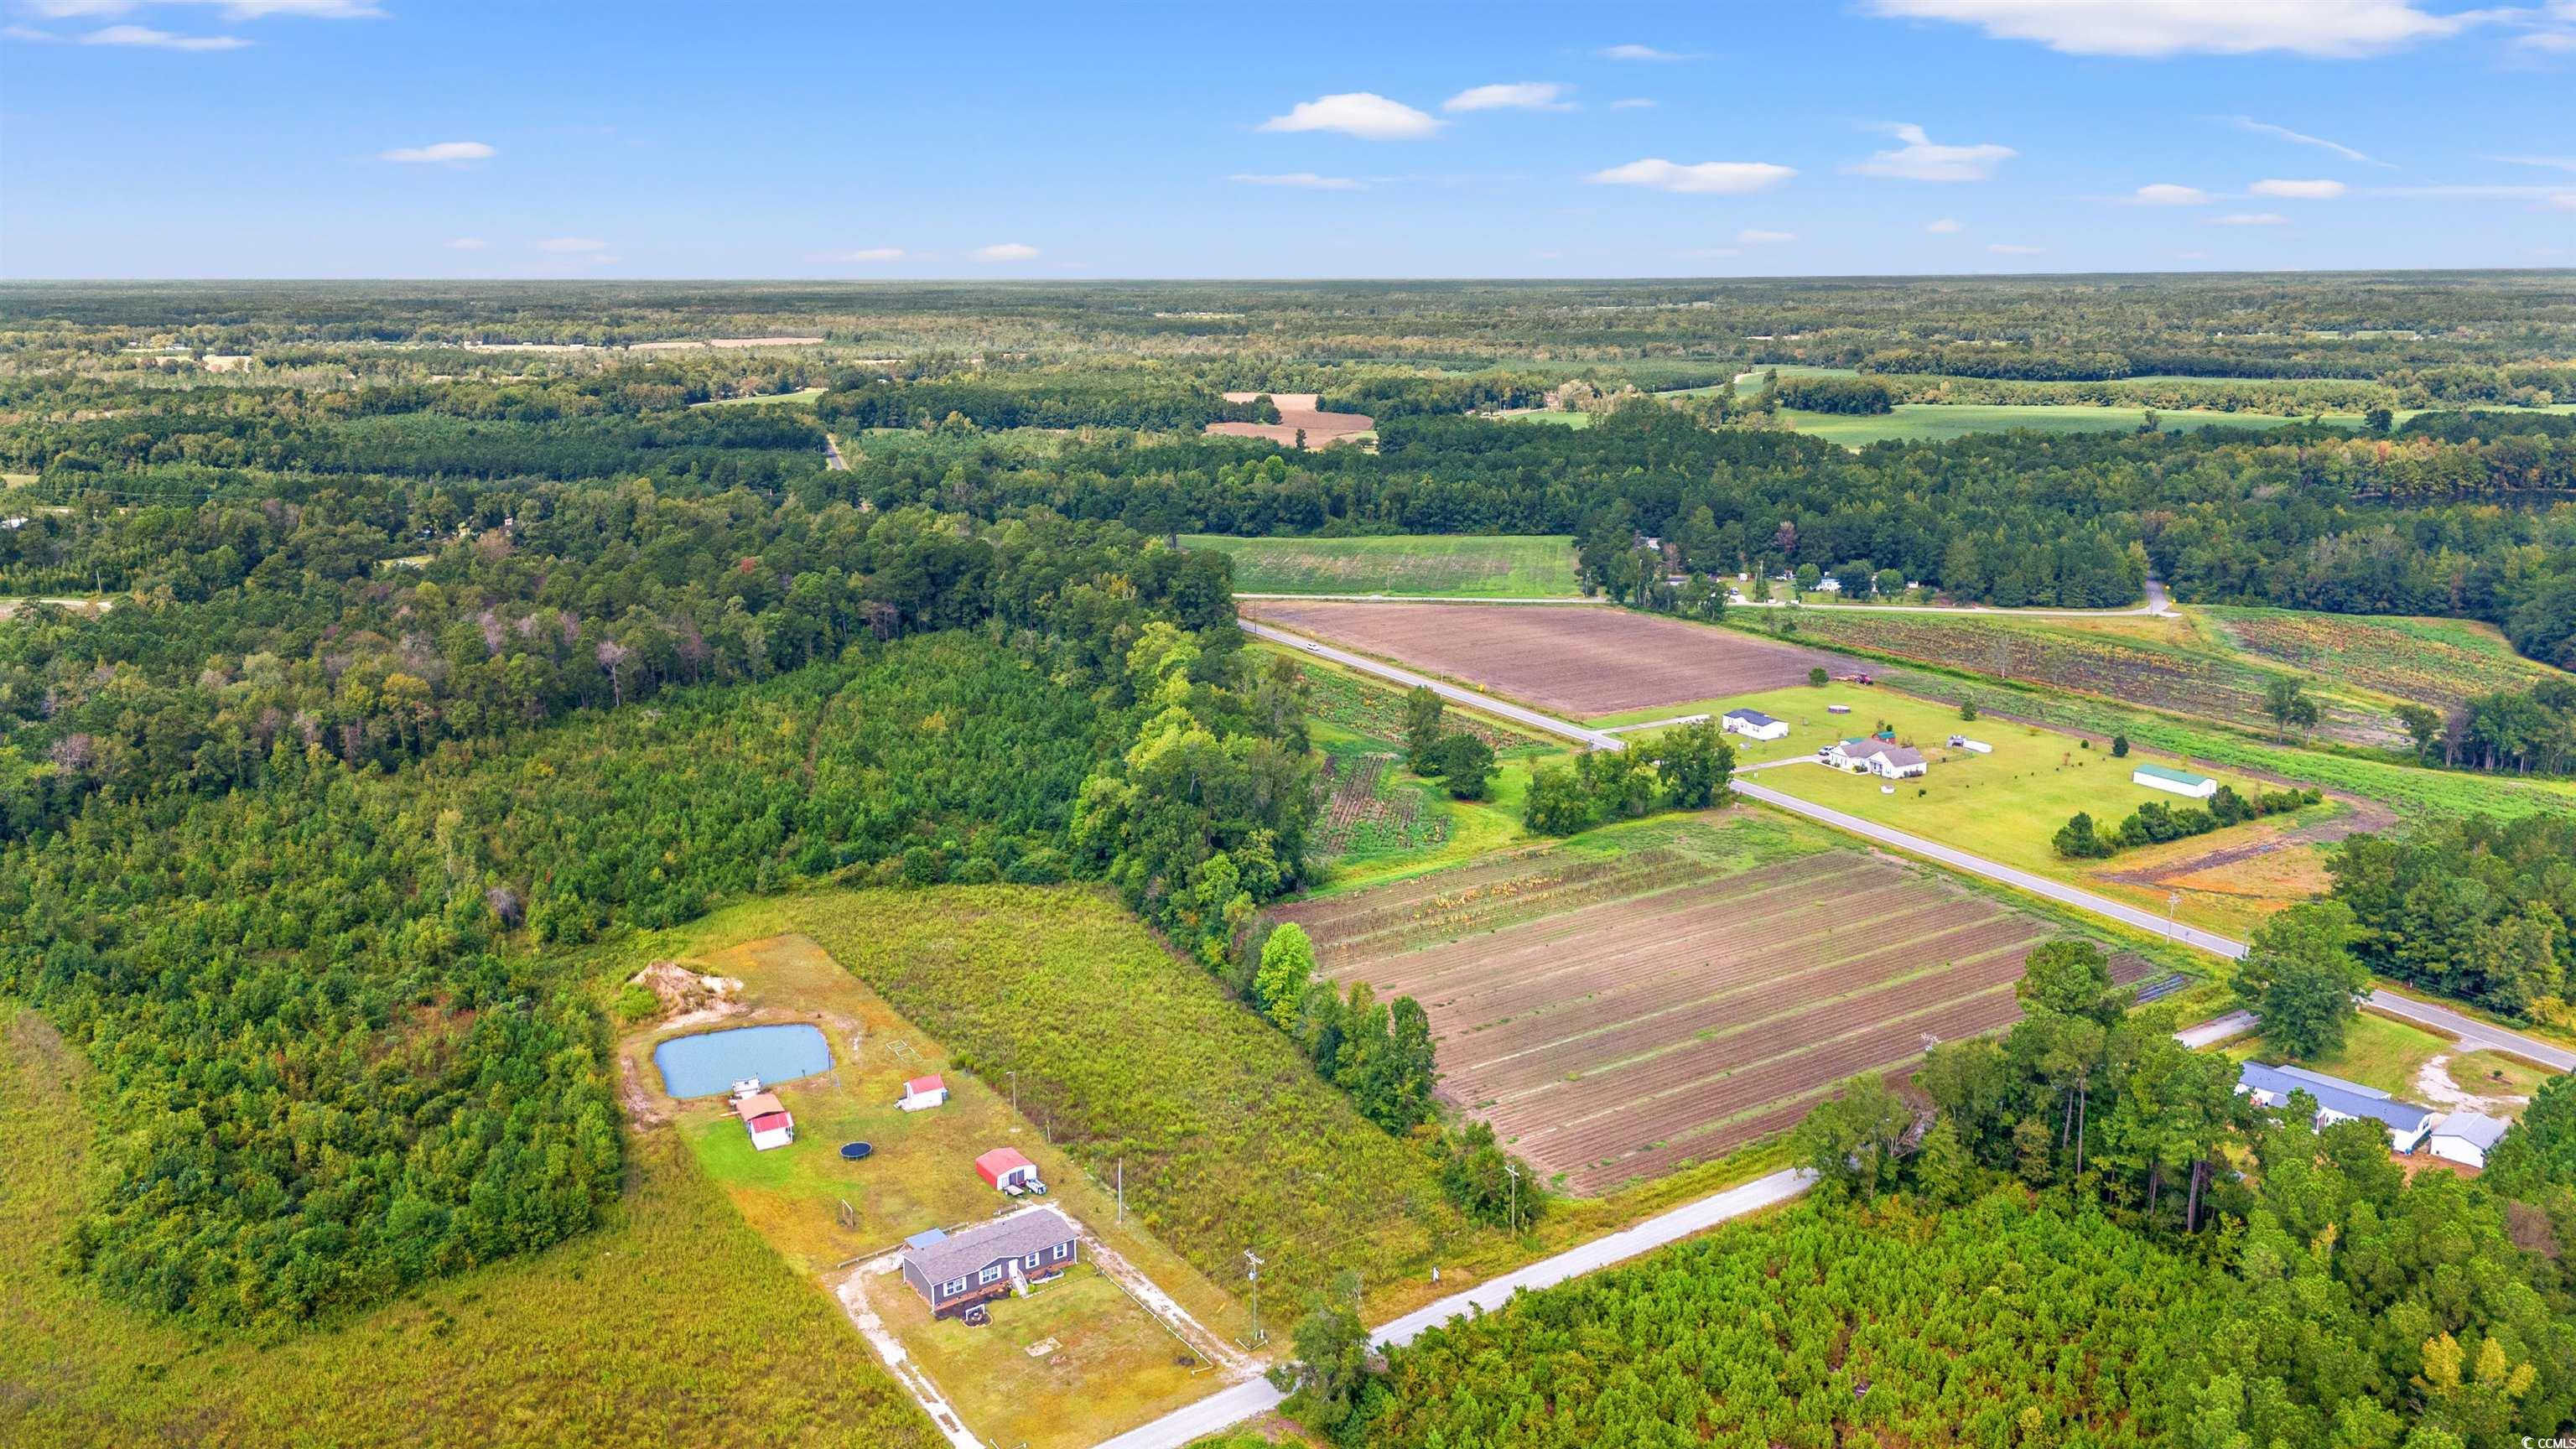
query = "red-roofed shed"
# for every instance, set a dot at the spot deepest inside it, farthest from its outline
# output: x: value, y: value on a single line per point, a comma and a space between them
x: 1006, y: 1168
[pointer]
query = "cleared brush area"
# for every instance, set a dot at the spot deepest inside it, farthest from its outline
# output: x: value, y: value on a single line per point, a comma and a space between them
x: 1617, y: 1017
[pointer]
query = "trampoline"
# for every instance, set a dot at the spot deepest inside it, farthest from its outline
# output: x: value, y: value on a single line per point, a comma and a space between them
x: 853, y: 1151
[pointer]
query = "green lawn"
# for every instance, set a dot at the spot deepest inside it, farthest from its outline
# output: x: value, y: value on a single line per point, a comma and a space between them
x: 2377, y: 1052
x: 1434, y: 566
x: 2005, y: 806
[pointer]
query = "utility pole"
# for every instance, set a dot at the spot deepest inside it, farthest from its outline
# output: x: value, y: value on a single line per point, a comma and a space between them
x: 2173, y: 899
x: 1515, y: 1199
x: 1253, y: 1272
x: 1015, y: 1091
x: 1122, y: 1189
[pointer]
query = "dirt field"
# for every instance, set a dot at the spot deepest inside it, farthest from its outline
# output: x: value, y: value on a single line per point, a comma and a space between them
x: 1616, y: 1018
x: 1296, y: 412
x: 1579, y: 661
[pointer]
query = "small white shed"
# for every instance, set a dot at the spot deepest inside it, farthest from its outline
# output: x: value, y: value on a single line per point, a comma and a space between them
x: 2467, y: 1137
x: 923, y: 1093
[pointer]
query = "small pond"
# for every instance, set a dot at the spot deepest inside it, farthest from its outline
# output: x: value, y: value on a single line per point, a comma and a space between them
x: 707, y: 1064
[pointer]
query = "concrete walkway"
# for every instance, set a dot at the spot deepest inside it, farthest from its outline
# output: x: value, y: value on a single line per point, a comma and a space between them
x: 1250, y: 1400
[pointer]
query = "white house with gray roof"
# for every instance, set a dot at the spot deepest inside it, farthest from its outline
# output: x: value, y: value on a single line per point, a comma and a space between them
x: 2337, y: 1100
x: 955, y: 1270
x: 2467, y: 1137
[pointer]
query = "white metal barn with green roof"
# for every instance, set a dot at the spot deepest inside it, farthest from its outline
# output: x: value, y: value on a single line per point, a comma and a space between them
x: 2172, y: 781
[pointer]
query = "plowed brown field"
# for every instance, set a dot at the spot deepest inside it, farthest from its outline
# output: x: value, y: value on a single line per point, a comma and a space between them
x: 1577, y: 659
x: 1617, y: 1018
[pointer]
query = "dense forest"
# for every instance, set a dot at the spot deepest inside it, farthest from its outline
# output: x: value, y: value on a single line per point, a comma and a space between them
x: 289, y: 900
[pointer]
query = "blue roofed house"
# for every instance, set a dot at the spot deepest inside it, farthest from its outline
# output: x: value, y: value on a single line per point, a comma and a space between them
x: 2337, y: 1100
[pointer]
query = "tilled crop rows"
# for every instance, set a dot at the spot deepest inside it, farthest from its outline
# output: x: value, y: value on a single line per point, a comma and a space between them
x: 1576, y: 659
x: 1619, y: 1018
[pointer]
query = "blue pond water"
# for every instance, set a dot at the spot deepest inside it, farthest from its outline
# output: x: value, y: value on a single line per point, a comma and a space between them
x: 707, y: 1064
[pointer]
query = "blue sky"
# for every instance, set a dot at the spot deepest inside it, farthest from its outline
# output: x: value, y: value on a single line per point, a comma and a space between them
x: 429, y: 138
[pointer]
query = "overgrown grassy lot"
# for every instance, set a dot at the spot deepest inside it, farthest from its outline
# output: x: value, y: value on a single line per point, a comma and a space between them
x: 659, y: 1328
x: 2430, y: 661
x: 1462, y: 567
x: 1230, y: 1139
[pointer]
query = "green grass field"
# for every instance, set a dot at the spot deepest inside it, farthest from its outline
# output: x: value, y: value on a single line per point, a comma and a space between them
x: 657, y: 1329
x: 2378, y: 1052
x: 1461, y: 567
x: 2005, y: 806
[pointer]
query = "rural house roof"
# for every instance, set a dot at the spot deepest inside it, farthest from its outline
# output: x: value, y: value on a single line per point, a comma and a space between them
x: 2179, y: 777
x: 1015, y: 1236
x: 2475, y: 1128
x: 2335, y: 1094
x: 1751, y: 716
x: 919, y: 1085
x: 758, y: 1104
x: 1866, y: 747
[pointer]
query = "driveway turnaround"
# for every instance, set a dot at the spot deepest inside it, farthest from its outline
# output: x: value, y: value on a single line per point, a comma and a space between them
x: 1255, y: 1398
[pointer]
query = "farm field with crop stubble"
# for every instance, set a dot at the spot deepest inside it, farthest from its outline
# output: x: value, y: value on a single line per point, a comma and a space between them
x: 2438, y: 662
x: 1617, y: 1016
x: 2166, y: 664
x: 1577, y: 660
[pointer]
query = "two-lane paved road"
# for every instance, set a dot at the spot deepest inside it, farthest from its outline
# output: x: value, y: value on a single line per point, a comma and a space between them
x: 1248, y: 1400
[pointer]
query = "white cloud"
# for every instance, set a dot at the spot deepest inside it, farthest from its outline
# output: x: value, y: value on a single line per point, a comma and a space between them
x: 1705, y: 178
x: 862, y: 254
x: 1365, y: 114
x: 2266, y: 128
x: 2165, y: 193
x: 1300, y: 180
x: 440, y: 151
x: 2467, y: 193
x: 570, y: 244
x: 2013, y: 249
x: 2563, y: 201
x: 1920, y: 159
x: 2250, y: 218
x: 150, y: 39
x: 466, y: 244
x: 2548, y: 42
x: 1005, y: 252
x: 2335, y: 29
x: 1945, y: 226
x: 2553, y: 163
x: 1511, y: 96
x: 1643, y: 52
x: 2299, y: 190
x: 1632, y: 103
x: 1756, y: 237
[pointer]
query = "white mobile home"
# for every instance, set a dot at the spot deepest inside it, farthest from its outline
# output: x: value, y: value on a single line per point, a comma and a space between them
x: 2177, y: 782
